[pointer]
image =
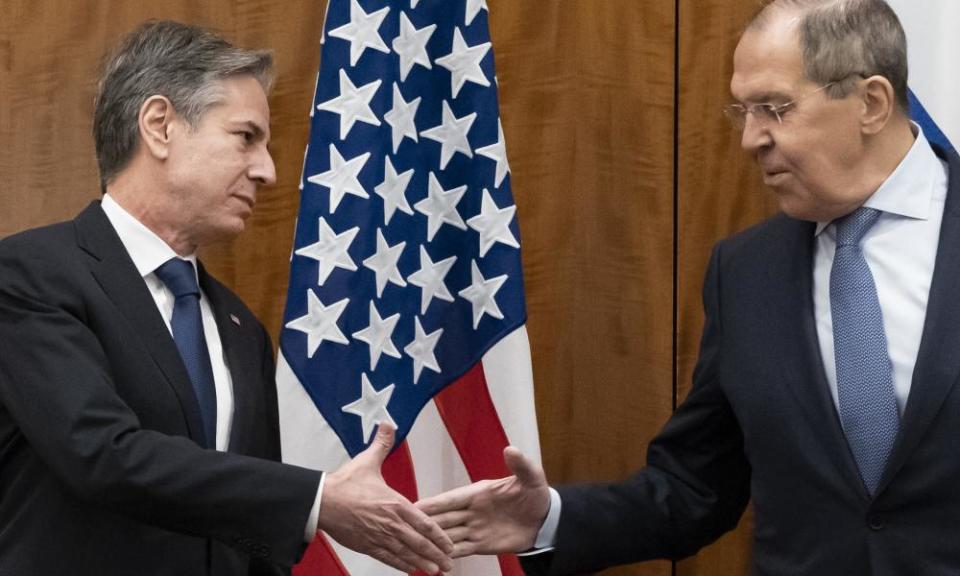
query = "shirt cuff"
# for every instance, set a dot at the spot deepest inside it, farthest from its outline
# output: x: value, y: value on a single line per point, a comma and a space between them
x: 311, y: 530
x: 547, y: 536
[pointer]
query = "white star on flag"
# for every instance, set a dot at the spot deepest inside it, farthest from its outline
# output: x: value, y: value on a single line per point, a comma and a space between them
x: 411, y: 45
x: 498, y: 153
x: 481, y: 294
x: 463, y: 62
x: 353, y: 104
x: 371, y: 407
x: 362, y: 32
x: 461, y: 389
x: 383, y: 262
x: 330, y: 250
x: 401, y: 118
x: 473, y: 8
x: 451, y: 134
x: 342, y: 178
x: 421, y: 350
x: 320, y: 323
x: 378, y: 335
x: 440, y: 207
x: 430, y: 279
x: 493, y: 224
x: 393, y: 190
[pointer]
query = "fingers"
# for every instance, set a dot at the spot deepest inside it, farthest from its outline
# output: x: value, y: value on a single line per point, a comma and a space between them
x: 456, y: 499
x: 382, y: 443
x: 394, y: 561
x: 425, y: 536
x: 526, y: 471
x: 464, y: 548
x: 447, y: 520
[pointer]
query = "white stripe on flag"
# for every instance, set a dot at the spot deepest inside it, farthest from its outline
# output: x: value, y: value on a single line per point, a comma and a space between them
x: 307, y: 440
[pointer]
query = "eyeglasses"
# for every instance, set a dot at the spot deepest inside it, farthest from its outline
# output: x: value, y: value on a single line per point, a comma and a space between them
x: 765, y: 113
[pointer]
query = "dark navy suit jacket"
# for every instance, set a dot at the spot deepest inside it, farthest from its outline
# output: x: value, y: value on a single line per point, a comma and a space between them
x: 760, y: 424
x: 100, y: 470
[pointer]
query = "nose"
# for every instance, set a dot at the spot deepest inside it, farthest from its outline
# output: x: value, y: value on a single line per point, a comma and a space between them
x: 755, y: 135
x: 262, y: 169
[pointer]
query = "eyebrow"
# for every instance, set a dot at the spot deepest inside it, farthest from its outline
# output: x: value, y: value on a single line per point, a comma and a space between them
x: 767, y: 97
x: 258, y: 132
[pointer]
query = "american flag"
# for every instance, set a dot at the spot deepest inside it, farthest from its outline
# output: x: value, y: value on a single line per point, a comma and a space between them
x: 406, y: 299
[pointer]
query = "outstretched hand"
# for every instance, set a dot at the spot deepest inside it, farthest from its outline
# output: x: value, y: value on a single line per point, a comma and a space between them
x: 494, y: 516
x: 361, y: 512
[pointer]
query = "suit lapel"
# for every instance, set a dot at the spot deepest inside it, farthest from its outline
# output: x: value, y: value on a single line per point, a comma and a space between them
x: 938, y: 360
x: 115, y: 272
x: 231, y: 331
x: 804, y: 367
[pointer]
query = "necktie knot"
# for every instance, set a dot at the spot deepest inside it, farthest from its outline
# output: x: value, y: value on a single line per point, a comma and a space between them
x: 179, y: 276
x: 852, y: 227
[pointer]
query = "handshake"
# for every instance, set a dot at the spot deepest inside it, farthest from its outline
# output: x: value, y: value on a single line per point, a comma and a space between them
x: 361, y: 512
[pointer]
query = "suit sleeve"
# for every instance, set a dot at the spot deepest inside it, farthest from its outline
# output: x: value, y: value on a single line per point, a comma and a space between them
x: 694, y: 488
x: 57, y: 388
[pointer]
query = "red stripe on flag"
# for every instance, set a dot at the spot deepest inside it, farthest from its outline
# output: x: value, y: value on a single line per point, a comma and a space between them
x: 474, y: 426
x: 320, y: 559
x: 398, y: 472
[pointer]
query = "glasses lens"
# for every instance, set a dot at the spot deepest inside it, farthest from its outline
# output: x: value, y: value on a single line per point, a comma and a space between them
x: 767, y: 113
x: 736, y: 114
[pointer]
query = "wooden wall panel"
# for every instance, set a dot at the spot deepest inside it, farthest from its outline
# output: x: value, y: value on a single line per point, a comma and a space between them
x: 587, y: 98
x: 587, y: 105
x: 719, y: 192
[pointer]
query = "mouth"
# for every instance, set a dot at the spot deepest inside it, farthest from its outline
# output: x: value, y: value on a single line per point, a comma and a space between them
x: 249, y: 201
x: 773, y: 177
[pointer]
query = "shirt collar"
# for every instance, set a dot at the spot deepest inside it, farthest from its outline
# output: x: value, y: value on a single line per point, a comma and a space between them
x: 147, y: 250
x: 910, y: 188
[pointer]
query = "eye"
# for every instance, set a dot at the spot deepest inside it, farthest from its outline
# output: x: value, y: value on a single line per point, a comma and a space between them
x: 247, y: 136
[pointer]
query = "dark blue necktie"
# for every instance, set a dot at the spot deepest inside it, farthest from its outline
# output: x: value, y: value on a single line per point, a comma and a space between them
x: 187, y: 327
x: 868, y: 405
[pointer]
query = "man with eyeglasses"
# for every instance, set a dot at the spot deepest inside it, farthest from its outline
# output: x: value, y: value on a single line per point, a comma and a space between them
x: 821, y: 323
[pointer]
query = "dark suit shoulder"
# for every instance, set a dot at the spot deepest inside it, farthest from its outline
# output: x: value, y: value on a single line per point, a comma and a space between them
x: 41, y: 261
x: 772, y: 240
x: 50, y: 237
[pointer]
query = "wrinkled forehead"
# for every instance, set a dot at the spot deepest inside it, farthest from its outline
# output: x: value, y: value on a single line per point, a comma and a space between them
x: 768, y: 62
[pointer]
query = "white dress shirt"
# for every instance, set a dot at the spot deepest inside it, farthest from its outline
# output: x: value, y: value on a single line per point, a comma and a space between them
x: 900, y: 248
x: 148, y: 252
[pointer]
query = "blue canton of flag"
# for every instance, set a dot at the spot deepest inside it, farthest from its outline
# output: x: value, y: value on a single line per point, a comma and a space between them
x: 406, y: 265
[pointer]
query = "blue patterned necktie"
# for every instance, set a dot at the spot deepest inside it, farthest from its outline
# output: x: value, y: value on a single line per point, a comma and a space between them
x: 187, y: 327
x: 868, y: 405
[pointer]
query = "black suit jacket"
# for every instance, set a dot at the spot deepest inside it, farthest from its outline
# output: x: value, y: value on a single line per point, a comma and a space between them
x: 760, y: 423
x: 100, y: 471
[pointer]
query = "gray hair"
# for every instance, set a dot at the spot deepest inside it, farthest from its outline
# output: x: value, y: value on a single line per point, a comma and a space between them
x: 186, y: 64
x: 842, y: 39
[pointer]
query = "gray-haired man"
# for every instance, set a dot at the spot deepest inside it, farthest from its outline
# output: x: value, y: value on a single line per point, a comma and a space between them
x: 138, y: 415
x: 825, y: 387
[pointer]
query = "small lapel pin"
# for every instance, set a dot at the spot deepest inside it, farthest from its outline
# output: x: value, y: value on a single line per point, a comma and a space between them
x: 234, y: 319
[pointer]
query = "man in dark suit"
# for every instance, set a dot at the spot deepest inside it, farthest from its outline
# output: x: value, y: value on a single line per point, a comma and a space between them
x: 824, y: 388
x: 138, y: 414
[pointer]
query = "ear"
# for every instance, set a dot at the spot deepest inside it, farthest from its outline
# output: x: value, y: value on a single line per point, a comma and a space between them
x: 879, y: 104
x: 155, y: 120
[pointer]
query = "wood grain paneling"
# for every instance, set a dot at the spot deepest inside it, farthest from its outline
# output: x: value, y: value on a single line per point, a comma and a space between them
x: 719, y: 192
x: 587, y: 99
x: 586, y: 91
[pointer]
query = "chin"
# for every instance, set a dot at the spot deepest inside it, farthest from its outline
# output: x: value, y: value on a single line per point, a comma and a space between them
x: 796, y: 207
